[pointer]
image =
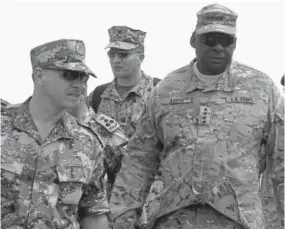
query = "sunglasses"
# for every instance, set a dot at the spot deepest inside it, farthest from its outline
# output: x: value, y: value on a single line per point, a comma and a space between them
x: 212, y: 39
x: 70, y: 75
x: 121, y: 54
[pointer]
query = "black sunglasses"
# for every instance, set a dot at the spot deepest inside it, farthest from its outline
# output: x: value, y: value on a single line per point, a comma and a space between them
x: 212, y: 39
x: 70, y: 75
x: 121, y: 54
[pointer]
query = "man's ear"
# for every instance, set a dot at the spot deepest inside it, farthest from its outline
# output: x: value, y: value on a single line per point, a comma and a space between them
x: 193, y: 40
x: 141, y: 57
x: 38, y: 76
x: 235, y: 45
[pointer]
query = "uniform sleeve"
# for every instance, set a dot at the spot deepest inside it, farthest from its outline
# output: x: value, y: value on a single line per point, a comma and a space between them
x: 94, y: 199
x: 275, y: 146
x: 139, y: 165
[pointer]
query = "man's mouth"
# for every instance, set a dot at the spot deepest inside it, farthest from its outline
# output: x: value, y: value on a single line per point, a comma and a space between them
x: 117, y: 68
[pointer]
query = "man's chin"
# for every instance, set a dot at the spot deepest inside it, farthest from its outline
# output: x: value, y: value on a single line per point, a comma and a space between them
x: 71, y: 103
x: 120, y: 75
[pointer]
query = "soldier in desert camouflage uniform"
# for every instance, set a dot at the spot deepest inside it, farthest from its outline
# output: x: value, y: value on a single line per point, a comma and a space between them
x: 52, y: 170
x: 109, y: 133
x: 204, y: 126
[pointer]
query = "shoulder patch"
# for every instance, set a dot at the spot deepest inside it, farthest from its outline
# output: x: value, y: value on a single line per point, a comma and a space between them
x: 108, y: 123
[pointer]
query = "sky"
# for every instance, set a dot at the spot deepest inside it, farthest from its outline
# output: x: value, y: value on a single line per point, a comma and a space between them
x: 169, y: 25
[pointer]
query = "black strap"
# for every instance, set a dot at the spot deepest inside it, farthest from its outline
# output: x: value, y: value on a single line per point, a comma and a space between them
x: 96, y: 95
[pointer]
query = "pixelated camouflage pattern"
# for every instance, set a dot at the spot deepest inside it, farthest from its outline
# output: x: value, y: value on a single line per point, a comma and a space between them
x: 207, y: 144
x: 48, y: 184
x: 61, y: 54
x: 113, y: 142
x: 127, y: 110
x: 126, y: 38
x: 216, y: 18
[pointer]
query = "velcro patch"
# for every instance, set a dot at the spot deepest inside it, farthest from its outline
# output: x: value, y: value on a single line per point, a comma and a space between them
x: 108, y: 123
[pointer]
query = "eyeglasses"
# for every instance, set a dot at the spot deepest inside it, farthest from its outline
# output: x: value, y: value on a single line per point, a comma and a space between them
x: 212, y: 39
x: 121, y: 54
x: 70, y: 75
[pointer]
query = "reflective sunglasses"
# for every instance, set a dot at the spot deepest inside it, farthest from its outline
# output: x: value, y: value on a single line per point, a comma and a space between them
x: 212, y: 39
x: 70, y: 75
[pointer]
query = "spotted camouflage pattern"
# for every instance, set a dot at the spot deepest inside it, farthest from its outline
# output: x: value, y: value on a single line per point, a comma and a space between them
x: 49, y: 184
x: 64, y: 54
x: 207, y: 144
x: 216, y: 18
x: 125, y: 38
x: 113, y: 141
x: 127, y: 110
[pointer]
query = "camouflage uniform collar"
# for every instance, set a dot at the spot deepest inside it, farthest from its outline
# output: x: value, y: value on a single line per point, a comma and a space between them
x: 87, y: 118
x: 24, y: 122
x: 227, y: 84
x: 138, y: 89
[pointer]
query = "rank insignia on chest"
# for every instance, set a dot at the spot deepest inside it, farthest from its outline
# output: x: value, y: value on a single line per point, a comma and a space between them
x: 108, y: 123
x: 204, y: 115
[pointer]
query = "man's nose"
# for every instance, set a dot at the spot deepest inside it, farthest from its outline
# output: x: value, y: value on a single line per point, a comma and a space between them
x: 116, y: 58
x: 218, y: 47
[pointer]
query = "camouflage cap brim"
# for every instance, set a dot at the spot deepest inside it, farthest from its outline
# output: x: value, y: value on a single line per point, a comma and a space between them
x: 216, y: 28
x: 122, y: 45
x: 73, y: 66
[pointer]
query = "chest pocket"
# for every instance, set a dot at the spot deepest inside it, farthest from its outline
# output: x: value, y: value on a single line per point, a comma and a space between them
x: 241, y: 117
x: 10, y: 166
x: 73, y: 174
x: 11, y: 171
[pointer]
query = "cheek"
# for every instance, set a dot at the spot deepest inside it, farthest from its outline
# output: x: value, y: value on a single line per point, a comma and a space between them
x: 130, y: 63
x: 230, y: 50
x: 57, y: 88
x: 202, y: 50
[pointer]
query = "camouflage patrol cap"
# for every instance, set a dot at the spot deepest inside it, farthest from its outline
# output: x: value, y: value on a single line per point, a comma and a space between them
x: 216, y: 18
x: 126, y: 38
x: 61, y: 54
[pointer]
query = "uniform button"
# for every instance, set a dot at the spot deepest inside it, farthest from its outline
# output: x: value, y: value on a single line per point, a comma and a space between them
x: 111, y: 121
x: 107, y: 124
x: 106, y: 120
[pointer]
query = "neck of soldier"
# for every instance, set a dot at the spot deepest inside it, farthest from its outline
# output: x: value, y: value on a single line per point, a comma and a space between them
x: 80, y: 111
x: 209, y: 72
x: 130, y: 80
x: 43, y: 111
